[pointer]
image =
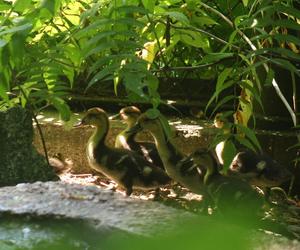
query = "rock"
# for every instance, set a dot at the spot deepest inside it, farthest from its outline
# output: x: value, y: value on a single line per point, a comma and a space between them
x: 58, y: 215
x: 106, y: 208
x: 19, y: 160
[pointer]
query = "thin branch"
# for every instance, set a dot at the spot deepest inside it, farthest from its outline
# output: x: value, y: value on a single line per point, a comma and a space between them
x: 37, y: 124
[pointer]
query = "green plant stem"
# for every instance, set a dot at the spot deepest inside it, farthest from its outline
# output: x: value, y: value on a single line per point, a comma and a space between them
x: 37, y: 124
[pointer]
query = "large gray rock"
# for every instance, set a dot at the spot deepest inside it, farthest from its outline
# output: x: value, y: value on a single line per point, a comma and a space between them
x: 57, y: 215
x: 19, y: 160
x: 105, y: 207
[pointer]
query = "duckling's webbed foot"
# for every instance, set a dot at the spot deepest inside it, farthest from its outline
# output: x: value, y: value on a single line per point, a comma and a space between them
x: 127, y: 182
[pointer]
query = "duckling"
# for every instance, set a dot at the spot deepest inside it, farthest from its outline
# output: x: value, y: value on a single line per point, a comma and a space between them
x: 179, y: 167
x: 232, y: 196
x: 258, y: 169
x: 127, y: 140
x: 127, y: 168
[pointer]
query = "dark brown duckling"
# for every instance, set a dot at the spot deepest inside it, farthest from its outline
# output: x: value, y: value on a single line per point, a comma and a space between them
x: 127, y: 168
x: 231, y: 196
x: 126, y: 139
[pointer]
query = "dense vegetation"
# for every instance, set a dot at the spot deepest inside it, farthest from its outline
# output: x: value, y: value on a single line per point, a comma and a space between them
x: 48, y: 48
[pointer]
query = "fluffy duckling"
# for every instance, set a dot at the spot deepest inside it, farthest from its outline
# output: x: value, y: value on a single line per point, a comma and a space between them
x: 126, y: 139
x: 178, y: 167
x: 232, y: 196
x: 258, y: 169
x: 127, y: 168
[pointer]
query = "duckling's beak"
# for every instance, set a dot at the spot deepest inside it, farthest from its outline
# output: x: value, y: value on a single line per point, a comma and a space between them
x: 114, y: 117
x: 135, y: 129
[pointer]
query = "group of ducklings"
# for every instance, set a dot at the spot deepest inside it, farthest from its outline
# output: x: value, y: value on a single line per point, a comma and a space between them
x: 145, y: 165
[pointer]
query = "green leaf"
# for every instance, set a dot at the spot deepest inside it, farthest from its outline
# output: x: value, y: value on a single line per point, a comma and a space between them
x: 21, y: 5
x: 281, y: 51
x: 278, y: 37
x: 92, y: 28
x: 203, y: 20
x: 130, y: 9
x: 249, y: 134
x: 229, y: 152
x: 223, y: 101
x: 247, y: 84
x: 220, y: 137
x: 286, y: 23
x: 215, y: 57
x: 100, y: 48
x: 286, y: 64
x: 270, y: 77
x: 62, y: 107
x: 245, y: 2
x: 16, y: 29
x: 152, y: 82
x: 5, y: 6
x: 149, y: 5
x: 100, y: 36
x: 217, y: 93
x: 50, y: 5
x: 177, y: 16
x: 103, y: 74
x: 245, y: 142
x: 165, y: 124
x: 222, y: 78
x: 152, y: 113
x: 2, y: 43
x: 194, y: 39
x: 3, y: 90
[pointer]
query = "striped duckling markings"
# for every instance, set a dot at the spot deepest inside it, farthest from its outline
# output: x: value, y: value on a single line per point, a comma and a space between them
x: 127, y: 168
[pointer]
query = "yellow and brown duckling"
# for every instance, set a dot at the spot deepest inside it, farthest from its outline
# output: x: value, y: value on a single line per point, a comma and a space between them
x: 127, y: 168
x: 179, y: 167
x: 126, y: 139
x: 231, y: 196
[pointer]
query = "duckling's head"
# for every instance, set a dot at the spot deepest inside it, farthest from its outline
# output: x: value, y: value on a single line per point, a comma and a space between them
x: 219, y: 120
x: 95, y: 117
x: 130, y: 114
x: 149, y: 123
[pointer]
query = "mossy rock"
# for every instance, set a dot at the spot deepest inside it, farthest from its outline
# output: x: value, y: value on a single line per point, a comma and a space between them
x: 19, y: 160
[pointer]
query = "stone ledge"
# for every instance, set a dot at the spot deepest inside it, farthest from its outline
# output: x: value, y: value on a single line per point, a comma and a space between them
x: 105, y: 207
